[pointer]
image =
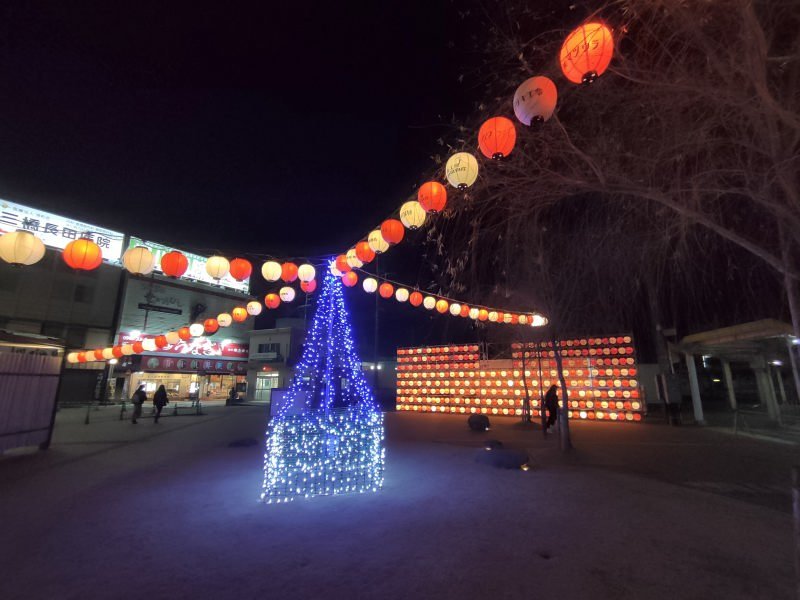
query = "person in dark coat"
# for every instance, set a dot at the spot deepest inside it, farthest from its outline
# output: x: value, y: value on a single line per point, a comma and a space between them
x: 138, y: 399
x: 159, y: 401
x: 551, y: 403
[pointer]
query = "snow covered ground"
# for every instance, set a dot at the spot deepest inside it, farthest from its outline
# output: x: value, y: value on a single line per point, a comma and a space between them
x: 171, y: 511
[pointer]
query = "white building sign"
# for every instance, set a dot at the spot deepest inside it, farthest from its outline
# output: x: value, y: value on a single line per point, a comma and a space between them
x: 56, y: 231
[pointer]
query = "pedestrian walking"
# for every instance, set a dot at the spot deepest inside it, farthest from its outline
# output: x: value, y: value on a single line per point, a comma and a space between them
x: 138, y: 399
x: 551, y: 403
x: 159, y: 401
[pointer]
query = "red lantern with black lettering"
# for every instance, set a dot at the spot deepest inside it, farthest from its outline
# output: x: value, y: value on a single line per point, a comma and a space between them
x: 364, y: 253
x: 82, y: 255
x: 496, y: 137
x: 392, y: 231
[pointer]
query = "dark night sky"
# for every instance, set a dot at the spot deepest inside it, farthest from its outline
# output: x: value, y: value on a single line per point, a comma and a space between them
x: 277, y: 127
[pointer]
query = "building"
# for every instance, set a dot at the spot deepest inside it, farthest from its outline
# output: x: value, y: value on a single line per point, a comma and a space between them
x: 107, y: 306
x: 272, y: 356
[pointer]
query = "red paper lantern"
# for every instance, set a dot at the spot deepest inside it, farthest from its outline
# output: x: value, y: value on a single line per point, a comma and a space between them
x: 483, y: 314
x: 98, y: 354
x: 272, y: 300
x: 184, y: 334
x: 308, y: 286
x: 442, y: 305
x: 239, y: 314
x: 288, y: 272
x: 81, y: 357
x: 82, y: 255
x: 392, y: 231
x: 364, y: 253
x: 211, y: 326
x: 432, y: 196
x: 341, y: 264
x: 415, y: 299
x: 161, y: 341
x: 174, y: 264
x: 464, y: 310
x: 496, y: 137
x: 138, y: 347
x: 501, y: 316
x: 117, y: 352
x: 386, y: 290
x: 240, y: 269
x: 349, y: 279
x: 587, y: 52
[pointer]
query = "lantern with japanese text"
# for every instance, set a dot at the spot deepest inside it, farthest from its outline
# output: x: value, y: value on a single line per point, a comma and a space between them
x: 271, y: 270
x: 174, y: 264
x: 376, y: 241
x: 535, y: 100
x: 496, y: 137
x: 306, y: 272
x: 239, y: 314
x: 139, y: 260
x: 272, y: 301
x: 461, y: 170
x: 21, y: 248
x: 253, y: 308
x: 83, y: 255
x: 412, y: 215
x: 353, y: 260
x: 217, y: 267
x: 286, y: 293
x: 432, y: 196
x: 586, y: 53
x: 224, y: 319
x: 241, y: 269
x: 392, y: 231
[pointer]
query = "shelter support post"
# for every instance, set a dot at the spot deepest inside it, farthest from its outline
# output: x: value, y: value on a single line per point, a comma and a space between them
x: 766, y: 392
x: 697, y: 403
x: 793, y: 361
x: 726, y: 372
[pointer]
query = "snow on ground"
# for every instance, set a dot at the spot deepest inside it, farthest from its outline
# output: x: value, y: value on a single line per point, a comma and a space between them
x: 170, y: 511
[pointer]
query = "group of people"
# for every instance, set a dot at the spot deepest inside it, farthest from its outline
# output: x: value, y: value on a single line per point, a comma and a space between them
x: 140, y: 397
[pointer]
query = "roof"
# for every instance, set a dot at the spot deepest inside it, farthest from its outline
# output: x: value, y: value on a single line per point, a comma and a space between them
x: 767, y: 338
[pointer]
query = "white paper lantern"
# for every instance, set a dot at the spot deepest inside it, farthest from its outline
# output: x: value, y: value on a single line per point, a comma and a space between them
x: 149, y: 344
x: 523, y: 320
x: 306, y: 272
x: 271, y: 270
x: 538, y: 321
x: 401, y: 295
x: 370, y: 285
x: 127, y: 349
x: 507, y: 318
x: 353, y: 260
x: 139, y: 260
x: 21, y: 248
x: 108, y: 353
x: 253, y: 308
x: 376, y: 242
x: 461, y: 170
x: 217, y: 267
x: 412, y: 215
x: 72, y: 357
x: 286, y: 294
x: 473, y: 313
x: 172, y: 338
x: 455, y: 309
x: 196, y: 329
x: 429, y: 302
x: 535, y: 100
x: 492, y: 316
x: 224, y: 319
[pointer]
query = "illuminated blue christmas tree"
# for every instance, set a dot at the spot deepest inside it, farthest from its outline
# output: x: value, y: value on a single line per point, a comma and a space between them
x: 327, y: 436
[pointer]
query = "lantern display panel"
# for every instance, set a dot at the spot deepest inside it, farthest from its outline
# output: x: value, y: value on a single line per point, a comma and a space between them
x: 601, y: 374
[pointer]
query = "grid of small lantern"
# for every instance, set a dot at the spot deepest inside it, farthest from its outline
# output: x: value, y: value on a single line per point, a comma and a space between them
x: 600, y: 373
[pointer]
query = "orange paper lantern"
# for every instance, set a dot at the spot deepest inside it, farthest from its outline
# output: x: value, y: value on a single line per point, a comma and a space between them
x: 174, y: 264
x: 308, y: 286
x: 82, y: 255
x: 239, y: 314
x: 161, y: 341
x: 364, y: 253
x: 98, y: 354
x: 464, y: 310
x: 349, y: 279
x: 496, y: 137
x: 210, y: 326
x: 288, y: 272
x: 386, y: 290
x: 272, y: 300
x: 415, y: 299
x: 240, y: 269
x: 442, y: 305
x: 184, y: 333
x: 342, y: 265
x: 138, y: 347
x: 392, y: 231
x: 432, y: 196
x: 587, y: 52
x: 483, y: 314
x: 117, y: 351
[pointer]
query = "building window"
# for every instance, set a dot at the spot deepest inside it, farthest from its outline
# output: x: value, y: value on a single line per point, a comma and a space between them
x: 267, y: 348
x: 264, y: 384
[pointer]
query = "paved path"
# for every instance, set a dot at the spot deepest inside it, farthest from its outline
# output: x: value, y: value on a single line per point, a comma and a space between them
x: 170, y: 511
